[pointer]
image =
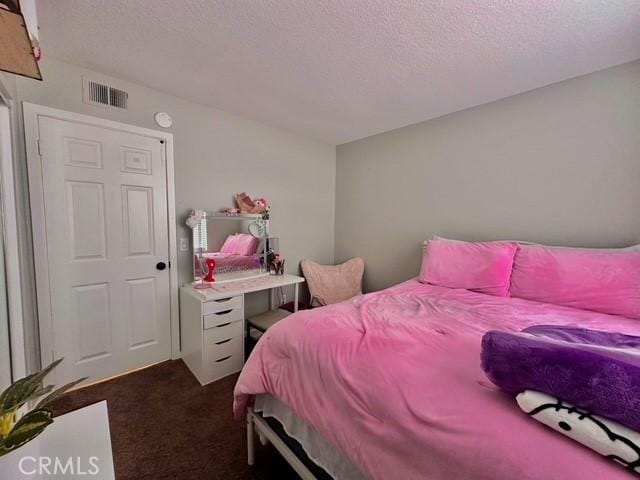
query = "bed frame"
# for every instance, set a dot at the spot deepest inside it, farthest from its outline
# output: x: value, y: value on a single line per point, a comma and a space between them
x: 256, y: 424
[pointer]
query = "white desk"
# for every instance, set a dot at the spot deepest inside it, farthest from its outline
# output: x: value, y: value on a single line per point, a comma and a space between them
x: 213, y: 323
x: 76, y: 445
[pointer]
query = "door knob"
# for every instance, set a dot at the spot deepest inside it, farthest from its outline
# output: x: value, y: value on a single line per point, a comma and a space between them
x: 161, y: 265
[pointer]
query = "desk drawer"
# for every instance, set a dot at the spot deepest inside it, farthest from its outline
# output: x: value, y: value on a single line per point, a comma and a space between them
x: 214, y: 306
x: 218, y: 354
x: 221, y: 318
x: 214, y: 370
x: 224, y: 359
x: 223, y: 332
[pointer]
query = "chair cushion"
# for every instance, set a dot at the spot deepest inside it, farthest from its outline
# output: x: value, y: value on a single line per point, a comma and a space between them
x: 333, y: 283
x: 268, y: 319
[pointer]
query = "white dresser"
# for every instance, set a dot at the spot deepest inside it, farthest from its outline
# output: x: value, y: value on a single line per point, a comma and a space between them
x: 213, y: 324
x: 212, y: 335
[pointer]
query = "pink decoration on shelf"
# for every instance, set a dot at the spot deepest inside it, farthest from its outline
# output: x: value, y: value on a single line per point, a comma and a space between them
x: 247, y: 205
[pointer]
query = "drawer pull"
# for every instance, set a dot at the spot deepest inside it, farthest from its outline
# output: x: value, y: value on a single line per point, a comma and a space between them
x: 223, y: 359
x: 223, y: 325
x: 223, y: 341
x: 221, y: 306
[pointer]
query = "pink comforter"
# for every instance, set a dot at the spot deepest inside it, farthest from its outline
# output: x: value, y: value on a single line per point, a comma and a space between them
x: 393, y: 380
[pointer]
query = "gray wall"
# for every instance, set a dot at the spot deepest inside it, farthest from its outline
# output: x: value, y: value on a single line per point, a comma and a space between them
x: 8, y: 85
x: 217, y: 155
x: 560, y: 164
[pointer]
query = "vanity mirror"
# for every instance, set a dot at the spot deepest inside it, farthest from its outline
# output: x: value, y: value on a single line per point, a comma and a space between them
x: 237, y: 244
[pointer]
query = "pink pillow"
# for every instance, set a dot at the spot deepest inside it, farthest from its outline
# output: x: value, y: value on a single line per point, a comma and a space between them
x: 246, y: 244
x: 483, y: 267
x: 229, y: 245
x: 606, y: 281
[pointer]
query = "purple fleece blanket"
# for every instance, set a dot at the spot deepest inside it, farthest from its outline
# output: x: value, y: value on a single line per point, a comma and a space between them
x: 595, y: 370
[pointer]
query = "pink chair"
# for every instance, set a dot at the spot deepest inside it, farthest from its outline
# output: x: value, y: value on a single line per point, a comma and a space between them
x: 333, y: 283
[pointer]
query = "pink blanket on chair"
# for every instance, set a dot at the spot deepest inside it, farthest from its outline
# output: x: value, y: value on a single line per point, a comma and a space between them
x: 393, y: 380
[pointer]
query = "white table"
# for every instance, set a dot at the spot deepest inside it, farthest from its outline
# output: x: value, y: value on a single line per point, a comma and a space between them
x: 76, y: 445
x: 213, y: 326
x: 250, y: 285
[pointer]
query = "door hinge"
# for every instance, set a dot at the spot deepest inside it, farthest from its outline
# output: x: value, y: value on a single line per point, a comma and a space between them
x: 38, y: 143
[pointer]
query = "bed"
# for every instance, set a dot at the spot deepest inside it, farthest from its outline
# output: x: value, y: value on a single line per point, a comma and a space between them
x: 392, y: 381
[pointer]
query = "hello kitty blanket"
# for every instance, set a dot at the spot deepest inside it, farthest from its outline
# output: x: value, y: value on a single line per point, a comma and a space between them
x: 393, y: 380
x: 610, y: 439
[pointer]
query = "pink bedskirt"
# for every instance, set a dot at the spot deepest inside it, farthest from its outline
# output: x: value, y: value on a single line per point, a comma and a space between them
x: 393, y: 380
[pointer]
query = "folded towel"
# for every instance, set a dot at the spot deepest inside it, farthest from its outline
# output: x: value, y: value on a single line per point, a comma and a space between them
x: 606, y: 437
x: 597, y: 371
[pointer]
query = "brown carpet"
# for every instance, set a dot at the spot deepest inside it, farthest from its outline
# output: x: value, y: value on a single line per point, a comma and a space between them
x: 165, y: 425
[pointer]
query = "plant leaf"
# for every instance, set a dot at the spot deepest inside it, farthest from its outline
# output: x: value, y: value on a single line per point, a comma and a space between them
x: 41, y: 391
x: 57, y: 392
x: 23, y: 390
x: 28, y: 427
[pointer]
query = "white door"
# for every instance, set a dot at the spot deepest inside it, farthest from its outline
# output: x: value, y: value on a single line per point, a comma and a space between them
x: 105, y: 207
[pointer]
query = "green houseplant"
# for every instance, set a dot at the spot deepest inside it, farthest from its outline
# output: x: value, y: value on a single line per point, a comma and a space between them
x: 16, y: 429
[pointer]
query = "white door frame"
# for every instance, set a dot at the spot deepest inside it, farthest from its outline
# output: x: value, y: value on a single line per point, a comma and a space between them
x: 36, y: 194
x: 11, y: 253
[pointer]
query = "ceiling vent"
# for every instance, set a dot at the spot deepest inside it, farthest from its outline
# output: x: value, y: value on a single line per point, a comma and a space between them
x: 97, y: 93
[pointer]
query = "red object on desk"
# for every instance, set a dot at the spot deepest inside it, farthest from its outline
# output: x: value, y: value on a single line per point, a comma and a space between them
x: 211, y: 267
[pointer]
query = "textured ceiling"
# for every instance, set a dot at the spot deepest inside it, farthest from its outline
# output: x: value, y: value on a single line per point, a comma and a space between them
x: 342, y: 70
